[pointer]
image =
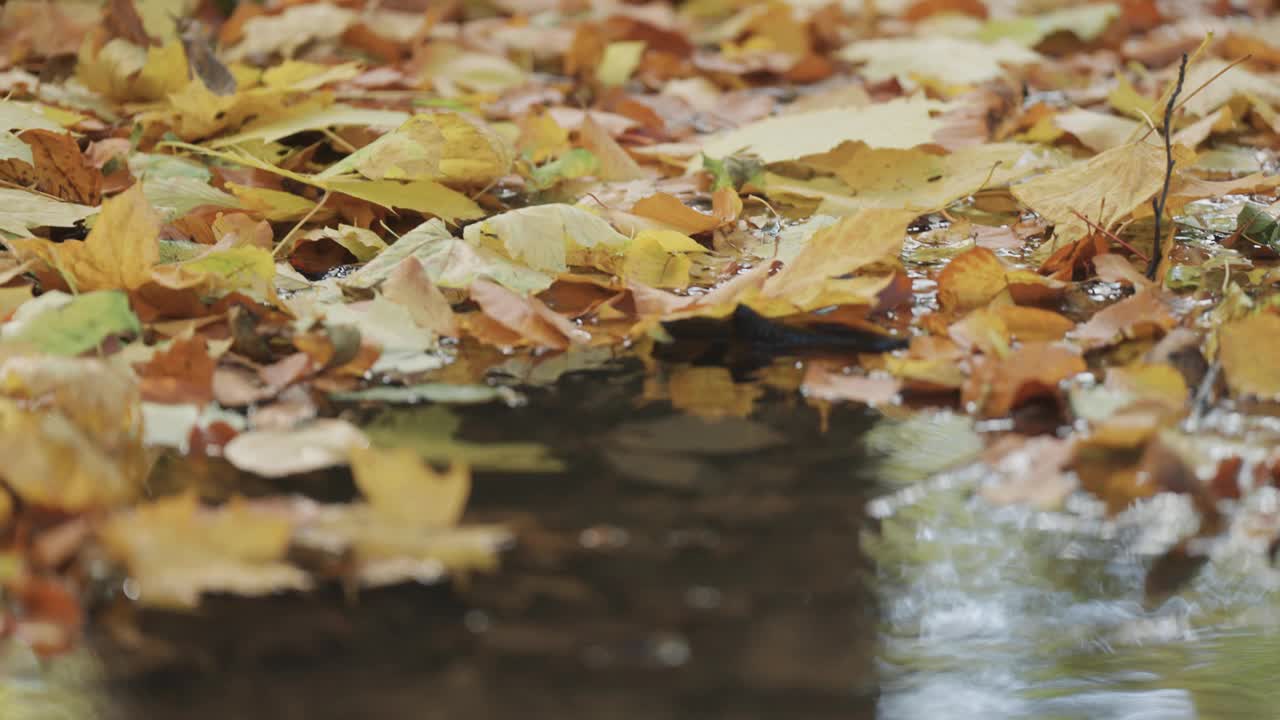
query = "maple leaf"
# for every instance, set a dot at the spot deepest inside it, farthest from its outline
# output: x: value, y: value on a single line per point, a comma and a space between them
x: 1106, y: 188
x: 119, y: 253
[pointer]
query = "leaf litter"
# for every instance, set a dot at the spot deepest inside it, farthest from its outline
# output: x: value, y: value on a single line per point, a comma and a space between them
x: 251, y: 228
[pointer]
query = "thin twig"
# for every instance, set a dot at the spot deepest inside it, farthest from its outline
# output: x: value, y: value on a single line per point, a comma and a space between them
x: 1193, y: 93
x: 284, y: 242
x: 1158, y: 205
x: 1098, y: 228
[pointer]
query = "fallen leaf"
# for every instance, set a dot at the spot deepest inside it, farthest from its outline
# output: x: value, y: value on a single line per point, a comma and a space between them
x: 900, y: 123
x: 936, y: 59
x: 119, y: 252
x: 72, y: 432
x: 59, y: 324
x: 1032, y: 370
x: 1106, y: 189
x: 526, y: 316
x: 181, y: 373
x: 549, y: 237
x: 444, y: 147
x: 868, y: 237
x: 409, y: 285
x: 1244, y: 349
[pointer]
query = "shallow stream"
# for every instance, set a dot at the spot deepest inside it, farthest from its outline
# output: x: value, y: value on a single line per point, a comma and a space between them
x: 740, y: 568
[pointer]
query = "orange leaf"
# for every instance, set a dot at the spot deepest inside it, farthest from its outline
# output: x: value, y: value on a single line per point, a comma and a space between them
x: 1033, y: 370
x: 971, y: 280
x: 527, y: 317
x: 182, y: 373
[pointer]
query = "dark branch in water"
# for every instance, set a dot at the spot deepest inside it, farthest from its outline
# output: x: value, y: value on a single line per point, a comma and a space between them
x: 1158, y: 205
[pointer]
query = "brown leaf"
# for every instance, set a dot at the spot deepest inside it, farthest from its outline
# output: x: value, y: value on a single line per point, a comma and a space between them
x: 527, y: 317
x: 827, y: 383
x: 409, y: 285
x: 182, y: 373
x: 61, y: 169
x: 1033, y: 370
x: 1143, y: 315
x: 971, y: 280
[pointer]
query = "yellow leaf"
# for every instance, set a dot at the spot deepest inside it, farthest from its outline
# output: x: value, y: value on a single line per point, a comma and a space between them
x: 620, y: 60
x: 1107, y: 188
x: 122, y: 71
x: 441, y: 146
x: 971, y: 280
x: 1097, y: 131
x: 299, y: 75
x: 274, y: 205
x: 871, y: 236
x: 895, y: 178
x: 71, y: 432
x: 614, y: 162
x: 938, y: 59
x: 899, y: 123
x: 363, y: 243
x: 403, y: 489
x: 220, y: 271
x: 549, y: 237
x: 424, y: 196
x: 658, y: 260
x: 119, y: 252
x: 1248, y: 350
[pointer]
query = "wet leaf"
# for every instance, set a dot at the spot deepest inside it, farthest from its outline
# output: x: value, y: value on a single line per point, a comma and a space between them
x: 1106, y: 189
x: 1245, y: 351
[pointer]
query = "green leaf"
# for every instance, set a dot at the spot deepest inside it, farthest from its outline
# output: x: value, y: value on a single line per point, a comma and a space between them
x: 734, y: 171
x: 573, y: 164
x: 1255, y: 225
x: 79, y: 325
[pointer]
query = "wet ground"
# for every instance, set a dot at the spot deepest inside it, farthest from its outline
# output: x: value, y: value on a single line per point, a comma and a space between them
x: 684, y: 568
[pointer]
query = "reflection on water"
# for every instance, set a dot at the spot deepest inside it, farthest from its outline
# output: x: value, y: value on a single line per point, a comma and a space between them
x: 66, y: 688
x: 1006, y: 613
x: 682, y: 568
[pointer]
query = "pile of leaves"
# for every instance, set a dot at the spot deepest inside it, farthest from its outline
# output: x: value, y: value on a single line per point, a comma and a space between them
x: 225, y: 223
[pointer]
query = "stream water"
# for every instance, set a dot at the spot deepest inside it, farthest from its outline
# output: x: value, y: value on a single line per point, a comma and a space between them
x: 741, y: 568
